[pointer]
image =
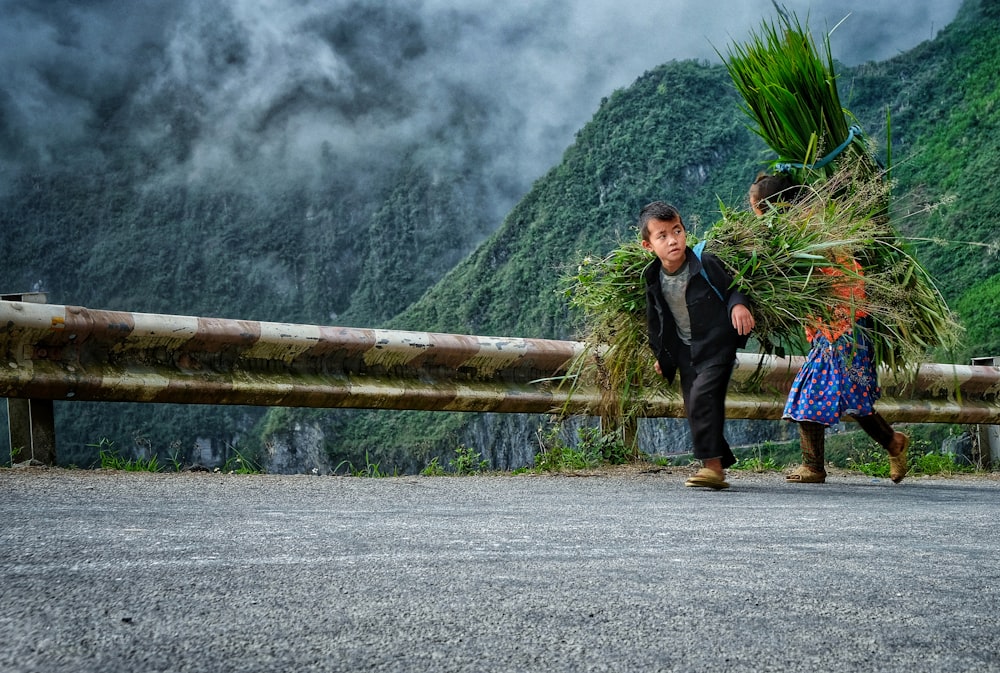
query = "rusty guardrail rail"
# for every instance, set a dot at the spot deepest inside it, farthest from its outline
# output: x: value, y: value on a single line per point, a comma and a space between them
x: 56, y: 352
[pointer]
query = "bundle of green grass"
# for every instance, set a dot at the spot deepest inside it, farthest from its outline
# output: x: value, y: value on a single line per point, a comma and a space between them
x: 840, y: 216
x: 791, y: 98
x: 774, y: 259
x: 790, y: 95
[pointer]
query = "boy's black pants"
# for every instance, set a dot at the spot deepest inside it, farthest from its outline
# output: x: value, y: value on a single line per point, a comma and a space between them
x: 704, y: 387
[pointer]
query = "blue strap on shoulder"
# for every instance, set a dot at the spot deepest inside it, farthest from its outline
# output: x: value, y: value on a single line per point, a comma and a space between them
x: 697, y: 253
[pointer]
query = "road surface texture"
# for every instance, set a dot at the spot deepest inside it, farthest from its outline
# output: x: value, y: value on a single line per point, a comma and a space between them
x: 620, y: 570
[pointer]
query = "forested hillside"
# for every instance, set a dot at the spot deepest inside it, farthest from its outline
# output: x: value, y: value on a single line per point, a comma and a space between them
x: 675, y: 134
x: 945, y: 102
x: 411, y: 242
x: 678, y: 134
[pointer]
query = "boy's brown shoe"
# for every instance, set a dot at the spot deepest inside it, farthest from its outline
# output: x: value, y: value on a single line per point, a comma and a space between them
x: 706, y: 478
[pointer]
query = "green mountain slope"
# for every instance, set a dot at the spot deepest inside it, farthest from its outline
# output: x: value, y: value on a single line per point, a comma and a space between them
x: 677, y: 134
x: 672, y: 135
x: 944, y: 98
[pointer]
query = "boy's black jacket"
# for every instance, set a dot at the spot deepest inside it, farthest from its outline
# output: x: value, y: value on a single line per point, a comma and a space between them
x: 712, y: 333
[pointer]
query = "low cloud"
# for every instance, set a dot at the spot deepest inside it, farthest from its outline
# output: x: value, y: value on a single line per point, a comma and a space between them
x: 276, y: 87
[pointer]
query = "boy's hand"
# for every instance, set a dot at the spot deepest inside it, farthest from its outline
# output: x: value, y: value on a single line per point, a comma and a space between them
x: 743, y: 321
x: 656, y: 366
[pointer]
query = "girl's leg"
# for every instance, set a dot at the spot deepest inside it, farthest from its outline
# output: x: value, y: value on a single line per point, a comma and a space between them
x: 877, y: 428
x: 812, y: 437
x: 813, y: 440
x: 895, y: 443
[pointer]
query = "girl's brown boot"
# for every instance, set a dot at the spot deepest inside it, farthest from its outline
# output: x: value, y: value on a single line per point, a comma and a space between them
x: 812, y: 437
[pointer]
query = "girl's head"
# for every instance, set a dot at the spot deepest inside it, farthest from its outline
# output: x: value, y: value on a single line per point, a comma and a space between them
x: 773, y: 191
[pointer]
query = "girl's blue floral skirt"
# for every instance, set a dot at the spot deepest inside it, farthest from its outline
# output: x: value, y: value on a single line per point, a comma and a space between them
x: 836, y: 379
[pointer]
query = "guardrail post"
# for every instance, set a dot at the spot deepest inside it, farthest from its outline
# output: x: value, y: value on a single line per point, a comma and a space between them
x: 32, y: 431
x: 986, y: 447
x: 31, y: 423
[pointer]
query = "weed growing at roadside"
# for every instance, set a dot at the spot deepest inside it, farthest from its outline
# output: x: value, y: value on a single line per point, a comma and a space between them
x: 468, y: 461
x: 761, y: 458
x: 922, y: 460
x: 593, y: 449
x: 562, y: 457
x: 240, y: 463
x: 870, y: 460
x: 175, y: 457
x: 610, y: 447
x: 433, y: 469
x: 757, y: 464
x: 111, y: 459
x: 370, y: 469
x: 938, y: 463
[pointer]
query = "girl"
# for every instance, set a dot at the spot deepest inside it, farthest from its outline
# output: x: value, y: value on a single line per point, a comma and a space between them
x: 839, y: 375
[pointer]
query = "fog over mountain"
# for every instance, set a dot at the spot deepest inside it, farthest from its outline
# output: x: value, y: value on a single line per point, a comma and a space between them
x: 266, y: 90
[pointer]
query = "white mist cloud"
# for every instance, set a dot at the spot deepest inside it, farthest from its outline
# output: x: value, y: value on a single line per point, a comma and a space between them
x: 271, y: 85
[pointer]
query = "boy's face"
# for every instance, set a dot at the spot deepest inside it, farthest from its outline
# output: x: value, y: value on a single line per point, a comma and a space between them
x: 668, y: 241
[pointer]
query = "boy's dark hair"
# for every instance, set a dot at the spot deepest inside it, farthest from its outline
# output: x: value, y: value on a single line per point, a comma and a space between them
x: 778, y: 191
x: 657, y: 210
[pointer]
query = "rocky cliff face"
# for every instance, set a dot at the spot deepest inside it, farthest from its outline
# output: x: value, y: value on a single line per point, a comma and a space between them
x: 510, y: 441
x: 298, y: 449
x: 303, y: 443
x: 669, y: 436
x: 507, y: 441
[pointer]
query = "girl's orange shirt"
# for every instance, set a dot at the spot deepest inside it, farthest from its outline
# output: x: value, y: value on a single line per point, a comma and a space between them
x: 852, y: 291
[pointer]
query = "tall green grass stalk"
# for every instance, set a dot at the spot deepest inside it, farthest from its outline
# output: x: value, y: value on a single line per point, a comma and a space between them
x: 789, y: 89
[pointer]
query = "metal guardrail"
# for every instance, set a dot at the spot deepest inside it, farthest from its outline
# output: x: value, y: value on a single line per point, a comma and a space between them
x: 55, y: 352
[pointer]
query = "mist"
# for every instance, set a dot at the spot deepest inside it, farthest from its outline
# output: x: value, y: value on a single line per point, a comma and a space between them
x: 271, y: 92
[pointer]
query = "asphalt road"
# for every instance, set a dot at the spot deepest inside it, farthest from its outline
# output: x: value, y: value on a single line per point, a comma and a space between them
x: 619, y: 571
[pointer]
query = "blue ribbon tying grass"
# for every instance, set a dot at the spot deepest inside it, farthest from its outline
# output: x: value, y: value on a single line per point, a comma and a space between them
x: 853, y: 131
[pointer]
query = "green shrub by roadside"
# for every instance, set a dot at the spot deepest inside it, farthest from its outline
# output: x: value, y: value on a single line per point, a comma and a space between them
x: 433, y: 469
x: 111, y: 459
x: 766, y: 457
x: 592, y: 449
x: 369, y: 469
x: 922, y: 460
x: 468, y: 461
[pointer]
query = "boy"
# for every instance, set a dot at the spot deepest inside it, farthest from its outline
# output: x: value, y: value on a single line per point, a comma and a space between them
x: 692, y: 329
